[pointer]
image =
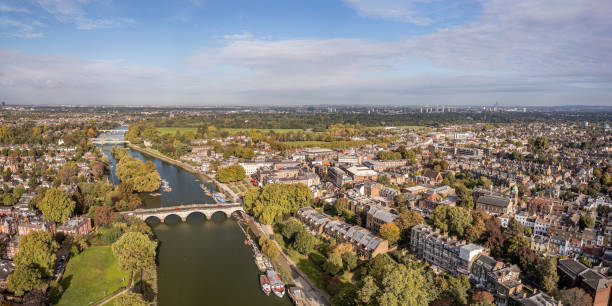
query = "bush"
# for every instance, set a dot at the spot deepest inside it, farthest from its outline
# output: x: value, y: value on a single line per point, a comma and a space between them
x: 110, y: 235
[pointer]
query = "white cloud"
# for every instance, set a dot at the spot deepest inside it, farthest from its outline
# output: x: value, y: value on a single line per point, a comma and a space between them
x: 410, y: 11
x: 515, y: 52
x: 13, y: 9
x: 72, y: 11
x: 20, y: 28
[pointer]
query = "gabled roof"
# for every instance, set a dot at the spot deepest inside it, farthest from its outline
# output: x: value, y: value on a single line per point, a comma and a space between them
x: 571, y: 267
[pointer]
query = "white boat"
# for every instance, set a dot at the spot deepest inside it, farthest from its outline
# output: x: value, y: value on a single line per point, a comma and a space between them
x: 265, y: 284
x: 278, y: 287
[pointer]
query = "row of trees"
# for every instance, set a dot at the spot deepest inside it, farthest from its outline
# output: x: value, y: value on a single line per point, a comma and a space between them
x: 142, y: 176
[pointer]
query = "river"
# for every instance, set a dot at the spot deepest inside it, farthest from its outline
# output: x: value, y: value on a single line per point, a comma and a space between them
x: 200, y: 262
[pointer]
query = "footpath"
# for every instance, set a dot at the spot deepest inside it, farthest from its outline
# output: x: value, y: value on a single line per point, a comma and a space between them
x: 314, y: 295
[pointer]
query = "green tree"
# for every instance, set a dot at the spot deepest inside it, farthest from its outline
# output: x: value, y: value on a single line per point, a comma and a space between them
x: 56, y: 205
x: 304, y: 242
x: 586, y: 222
x: 130, y: 299
x: 333, y: 265
x: 271, y: 202
x: 9, y: 199
x: 19, y: 191
x: 585, y: 261
x: 23, y: 279
x: 233, y: 173
x: 142, y: 176
x: 268, y: 247
x: 135, y: 251
x: 547, y: 273
x: 465, y: 196
x: 367, y: 293
x: 540, y: 143
x: 452, y: 219
x: 391, y: 232
x: 350, y: 261
x: 290, y: 229
x: 37, y: 250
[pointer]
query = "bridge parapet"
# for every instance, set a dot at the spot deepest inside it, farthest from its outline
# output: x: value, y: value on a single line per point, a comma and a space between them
x: 183, y: 211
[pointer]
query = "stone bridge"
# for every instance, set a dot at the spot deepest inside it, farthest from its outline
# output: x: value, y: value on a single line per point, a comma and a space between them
x: 183, y: 211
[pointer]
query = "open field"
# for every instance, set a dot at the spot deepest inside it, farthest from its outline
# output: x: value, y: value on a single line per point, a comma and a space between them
x: 325, y: 144
x: 172, y: 130
x: 92, y: 275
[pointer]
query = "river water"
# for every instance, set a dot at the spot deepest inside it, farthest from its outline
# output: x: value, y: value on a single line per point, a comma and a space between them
x: 200, y: 262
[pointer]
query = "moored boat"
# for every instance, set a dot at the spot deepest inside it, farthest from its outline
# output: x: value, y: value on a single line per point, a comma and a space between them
x: 219, y: 197
x: 265, y: 284
x: 297, y: 296
x: 165, y: 186
x: 278, y: 287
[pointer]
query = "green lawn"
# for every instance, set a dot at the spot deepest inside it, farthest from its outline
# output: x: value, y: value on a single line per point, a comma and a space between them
x: 277, y: 131
x: 92, y: 275
x: 172, y: 130
x: 326, y: 144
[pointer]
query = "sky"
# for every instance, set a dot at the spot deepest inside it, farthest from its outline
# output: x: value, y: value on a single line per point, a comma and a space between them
x: 292, y: 52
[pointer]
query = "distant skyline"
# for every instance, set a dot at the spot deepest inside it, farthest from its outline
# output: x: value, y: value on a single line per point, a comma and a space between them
x: 347, y: 52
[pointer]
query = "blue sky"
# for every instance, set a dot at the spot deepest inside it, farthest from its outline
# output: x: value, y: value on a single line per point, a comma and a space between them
x: 401, y: 52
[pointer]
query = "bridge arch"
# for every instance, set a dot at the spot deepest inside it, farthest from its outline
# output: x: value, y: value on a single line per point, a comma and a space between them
x: 169, y: 217
x: 218, y: 213
x: 197, y: 215
x: 153, y: 220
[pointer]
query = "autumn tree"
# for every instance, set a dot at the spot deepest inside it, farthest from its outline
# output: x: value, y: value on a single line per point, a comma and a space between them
x: 405, y: 221
x: 482, y: 296
x: 67, y: 172
x: 390, y: 231
x: 97, y: 168
x: 103, y: 215
x: 575, y: 297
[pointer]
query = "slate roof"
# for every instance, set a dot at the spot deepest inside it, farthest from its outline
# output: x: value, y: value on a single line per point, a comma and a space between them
x: 571, y: 267
x: 495, y: 201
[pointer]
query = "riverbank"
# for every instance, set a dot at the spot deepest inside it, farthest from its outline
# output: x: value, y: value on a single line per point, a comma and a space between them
x: 314, y: 295
x: 189, y: 168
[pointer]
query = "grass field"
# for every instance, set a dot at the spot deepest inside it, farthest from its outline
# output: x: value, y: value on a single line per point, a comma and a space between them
x: 325, y: 144
x: 92, y: 275
x: 172, y: 130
